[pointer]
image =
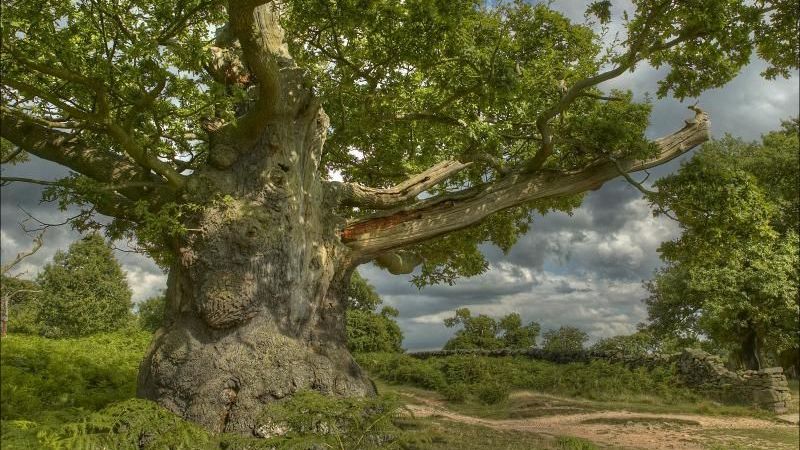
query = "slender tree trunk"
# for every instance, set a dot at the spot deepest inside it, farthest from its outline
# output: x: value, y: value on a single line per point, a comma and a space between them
x: 255, y: 298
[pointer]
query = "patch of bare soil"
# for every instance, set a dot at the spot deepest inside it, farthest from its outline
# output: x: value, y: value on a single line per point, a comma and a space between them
x: 627, y: 429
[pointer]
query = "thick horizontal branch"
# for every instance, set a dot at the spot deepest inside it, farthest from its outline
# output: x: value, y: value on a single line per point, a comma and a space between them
x: 68, y: 150
x: 354, y: 194
x: 440, y: 215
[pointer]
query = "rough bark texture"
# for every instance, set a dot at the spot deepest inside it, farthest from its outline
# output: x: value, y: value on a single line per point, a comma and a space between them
x: 255, y: 305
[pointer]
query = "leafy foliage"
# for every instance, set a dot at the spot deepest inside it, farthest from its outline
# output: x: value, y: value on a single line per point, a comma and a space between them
x: 78, y: 393
x: 84, y: 291
x: 368, y: 331
x: 406, y: 84
x: 565, y: 339
x: 486, y: 333
x: 23, y: 303
x: 732, y: 276
x: 150, y: 312
x: 641, y: 343
x: 461, y: 377
x: 44, y: 379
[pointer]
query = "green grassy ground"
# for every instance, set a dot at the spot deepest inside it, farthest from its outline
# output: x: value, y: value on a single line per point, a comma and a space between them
x: 79, y: 393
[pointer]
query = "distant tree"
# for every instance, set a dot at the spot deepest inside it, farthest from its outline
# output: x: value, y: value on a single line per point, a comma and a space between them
x: 361, y: 295
x: 151, y: 312
x: 564, y: 339
x: 84, y: 291
x: 368, y: 330
x: 486, y: 333
x: 517, y: 336
x: 20, y: 297
x: 732, y: 275
x: 13, y: 290
x: 637, y: 344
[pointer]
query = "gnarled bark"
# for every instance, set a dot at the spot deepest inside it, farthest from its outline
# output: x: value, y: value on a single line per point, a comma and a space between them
x: 256, y: 295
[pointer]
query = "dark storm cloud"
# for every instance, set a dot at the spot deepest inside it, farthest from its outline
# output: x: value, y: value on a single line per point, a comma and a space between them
x: 19, y: 200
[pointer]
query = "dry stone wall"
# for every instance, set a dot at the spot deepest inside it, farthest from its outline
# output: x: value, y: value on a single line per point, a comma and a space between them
x: 697, y: 369
x: 766, y: 388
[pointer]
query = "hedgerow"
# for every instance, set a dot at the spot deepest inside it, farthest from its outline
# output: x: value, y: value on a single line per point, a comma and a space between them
x: 486, y: 378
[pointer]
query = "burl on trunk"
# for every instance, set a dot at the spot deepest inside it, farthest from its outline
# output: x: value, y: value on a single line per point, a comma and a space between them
x: 255, y: 308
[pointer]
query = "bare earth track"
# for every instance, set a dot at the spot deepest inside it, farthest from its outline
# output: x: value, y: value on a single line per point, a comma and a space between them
x: 624, y: 429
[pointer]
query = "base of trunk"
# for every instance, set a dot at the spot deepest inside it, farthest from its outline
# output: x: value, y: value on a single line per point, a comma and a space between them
x: 223, y: 379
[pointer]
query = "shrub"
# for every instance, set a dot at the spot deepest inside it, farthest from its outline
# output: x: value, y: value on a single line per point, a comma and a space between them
x: 456, y: 392
x: 84, y: 291
x: 41, y: 377
x: 371, y: 332
x: 493, y: 391
x: 151, y: 312
x: 309, y: 418
x: 597, y: 380
x: 23, y: 304
x: 399, y: 368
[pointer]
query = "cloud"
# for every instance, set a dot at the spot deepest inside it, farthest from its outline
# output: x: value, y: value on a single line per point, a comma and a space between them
x: 19, y: 202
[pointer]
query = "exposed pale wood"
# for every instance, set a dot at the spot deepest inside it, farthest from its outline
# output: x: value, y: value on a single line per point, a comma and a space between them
x: 437, y: 216
x: 354, y: 194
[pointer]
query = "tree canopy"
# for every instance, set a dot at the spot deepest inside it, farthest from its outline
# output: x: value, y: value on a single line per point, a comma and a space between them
x: 135, y: 97
x: 732, y: 274
x: 565, y: 339
x: 483, y: 332
x: 84, y: 291
x: 367, y: 329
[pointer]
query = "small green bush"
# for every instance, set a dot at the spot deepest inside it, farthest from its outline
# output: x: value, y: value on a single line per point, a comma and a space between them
x: 310, y: 418
x: 456, y: 392
x: 571, y: 443
x: 493, y: 391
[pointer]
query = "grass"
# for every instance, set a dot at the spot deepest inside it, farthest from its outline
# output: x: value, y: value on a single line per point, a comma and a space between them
x: 523, y: 404
x: 79, y: 393
x: 436, y: 433
x: 751, y: 438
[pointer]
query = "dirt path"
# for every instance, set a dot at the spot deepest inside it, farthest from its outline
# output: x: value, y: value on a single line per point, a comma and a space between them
x: 626, y: 429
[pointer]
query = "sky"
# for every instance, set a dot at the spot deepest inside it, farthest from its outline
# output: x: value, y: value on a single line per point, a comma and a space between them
x: 584, y: 270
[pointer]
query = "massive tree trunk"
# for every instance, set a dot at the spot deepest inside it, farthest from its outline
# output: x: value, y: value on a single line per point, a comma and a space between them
x: 255, y: 306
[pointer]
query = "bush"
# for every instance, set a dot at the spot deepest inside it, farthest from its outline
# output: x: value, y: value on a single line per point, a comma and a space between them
x: 84, y: 291
x: 456, y: 392
x: 402, y: 369
x: 309, y: 418
x: 23, y: 304
x: 597, y: 380
x: 78, y: 393
x: 493, y: 391
x: 371, y: 332
x: 151, y: 312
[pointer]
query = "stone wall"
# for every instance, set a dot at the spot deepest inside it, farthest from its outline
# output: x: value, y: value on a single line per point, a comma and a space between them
x: 766, y: 388
x: 696, y: 369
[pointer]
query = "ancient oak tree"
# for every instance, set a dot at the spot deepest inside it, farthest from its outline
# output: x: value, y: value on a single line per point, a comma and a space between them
x: 209, y: 130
